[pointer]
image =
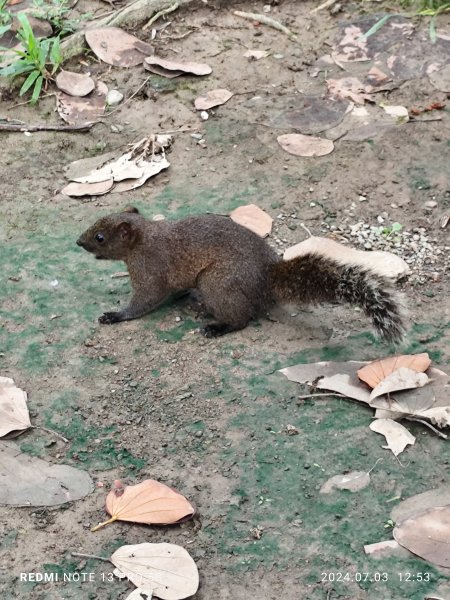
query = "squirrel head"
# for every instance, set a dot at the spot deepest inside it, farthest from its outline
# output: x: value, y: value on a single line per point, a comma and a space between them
x: 113, y: 236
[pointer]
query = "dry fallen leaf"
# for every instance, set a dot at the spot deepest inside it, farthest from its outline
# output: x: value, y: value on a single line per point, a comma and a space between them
x: 400, y: 379
x: 77, y: 190
x: 440, y: 79
x: 212, y: 99
x: 254, y: 218
x: 256, y: 54
x: 165, y: 570
x: 427, y: 534
x: 82, y: 111
x: 14, y: 416
x: 352, y: 481
x: 383, y: 263
x: 348, y: 88
x: 401, y: 112
x: 439, y: 416
x: 116, y: 47
x: 377, y: 370
x: 149, y: 502
x: 397, y: 436
x: 74, y: 84
x: 386, y: 549
x: 184, y: 67
x: 345, y: 384
x: 28, y: 480
x: 305, y: 145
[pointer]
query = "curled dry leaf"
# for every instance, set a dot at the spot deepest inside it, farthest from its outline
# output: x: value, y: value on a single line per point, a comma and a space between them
x: 383, y: 263
x: 352, y: 481
x: 212, y: 99
x: 427, y: 534
x: 116, y: 47
x: 401, y: 379
x: 74, y: 84
x: 305, y: 145
x: 149, y: 502
x: 374, y: 372
x: 149, y: 169
x: 183, y: 67
x: 82, y: 111
x: 77, y: 190
x: 439, y: 416
x: 165, y: 570
x: 14, y: 416
x: 397, y: 436
x: 28, y: 480
x: 254, y: 218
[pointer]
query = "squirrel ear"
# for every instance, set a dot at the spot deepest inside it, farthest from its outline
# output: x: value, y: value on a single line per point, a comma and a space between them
x: 131, y: 209
x: 127, y: 233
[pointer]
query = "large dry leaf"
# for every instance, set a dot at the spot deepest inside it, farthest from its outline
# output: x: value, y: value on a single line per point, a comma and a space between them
x: 311, y: 372
x: 427, y: 535
x: 149, y: 502
x: 374, y: 372
x: 254, y: 218
x: 14, y: 416
x: 397, y: 436
x: 305, y: 145
x: 77, y: 190
x: 212, y: 99
x: 74, y: 84
x: 82, y: 111
x: 185, y: 67
x: 116, y: 47
x: 420, y: 503
x: 383, y: 263
x: 348, y: 88
x: 348, y: 385
x: 167, y: 570
x: 404, y: 403
x: 352, y: 481
x: 27, y: 480
x: 149, y: 169
x: 400, y: 379
x: 439, y: 416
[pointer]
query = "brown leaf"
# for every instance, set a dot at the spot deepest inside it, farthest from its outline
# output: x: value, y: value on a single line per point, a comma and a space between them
x: 427, y: 535
x: 74, y: 84
x: 400, y: 379
x: 185, y: 67
x: 254, y: 218
x: 87, y: 189
x: 348, y: 88
x: 149, y: 502
x: 397, y: 436
x: 81, y: 111
x: 14, y: 416
x: 305, y: 145
x: 116, y: 47
x: 212, y: 99
x: 376, y: 371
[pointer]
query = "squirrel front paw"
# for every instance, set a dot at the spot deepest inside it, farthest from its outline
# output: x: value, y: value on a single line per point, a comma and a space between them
x: 108, y: 318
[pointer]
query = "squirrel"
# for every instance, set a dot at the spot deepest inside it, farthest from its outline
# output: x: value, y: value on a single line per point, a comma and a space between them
x: 237, y: 274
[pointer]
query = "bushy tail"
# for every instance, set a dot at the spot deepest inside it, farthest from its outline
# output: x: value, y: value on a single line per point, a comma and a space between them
x: 313, y: 278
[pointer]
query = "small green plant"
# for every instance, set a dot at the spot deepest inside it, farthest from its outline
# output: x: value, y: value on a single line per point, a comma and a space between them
x: 388, y: 231
x: 56, y: 13
x: 39, y: 58
x: 5, y: 17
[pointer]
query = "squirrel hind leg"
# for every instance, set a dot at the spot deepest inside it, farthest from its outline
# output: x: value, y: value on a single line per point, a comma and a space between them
x: 213, y: 330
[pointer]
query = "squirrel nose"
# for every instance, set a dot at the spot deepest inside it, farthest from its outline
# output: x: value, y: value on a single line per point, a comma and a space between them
x: 79, y: 242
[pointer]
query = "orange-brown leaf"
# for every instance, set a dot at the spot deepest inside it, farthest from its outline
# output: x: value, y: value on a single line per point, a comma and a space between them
x: 148, y: 502
x: 376, y: 371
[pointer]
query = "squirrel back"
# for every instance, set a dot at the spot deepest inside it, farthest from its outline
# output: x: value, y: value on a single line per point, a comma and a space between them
x: 236, y: 272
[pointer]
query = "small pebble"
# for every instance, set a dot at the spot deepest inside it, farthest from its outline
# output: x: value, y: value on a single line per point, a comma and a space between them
x: 204, y: 115
x: 114, y: 97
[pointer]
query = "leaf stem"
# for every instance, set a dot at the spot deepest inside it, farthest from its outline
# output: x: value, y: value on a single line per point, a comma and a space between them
x: 82, y: 555
x: 100, y: 525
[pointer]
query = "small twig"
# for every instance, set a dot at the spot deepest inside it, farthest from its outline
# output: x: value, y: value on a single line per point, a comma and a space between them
x: 51, y: 431
x: 181, y: 130
x: 130, y: 98
x: 161, y: 13
x: 303, y: 226
x: 28, y: 101
x: 265, y: 20
x: 82, y: 555
x: 427, y: 424
x: 11, y: 127
x: 326, y: 4
x: 376, y: 462
x: 318, y: 395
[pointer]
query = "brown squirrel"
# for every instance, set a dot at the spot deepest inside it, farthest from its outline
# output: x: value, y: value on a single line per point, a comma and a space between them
x: 236, y: 273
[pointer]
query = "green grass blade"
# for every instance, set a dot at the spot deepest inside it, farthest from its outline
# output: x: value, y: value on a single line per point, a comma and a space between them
x: 28, y: 82
x: 433, y: 32
x: 378, y: 25
x: 55, y: 54
x: 37, y: 89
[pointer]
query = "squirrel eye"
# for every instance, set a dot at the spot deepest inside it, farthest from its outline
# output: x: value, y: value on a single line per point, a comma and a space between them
x: 100, y: 237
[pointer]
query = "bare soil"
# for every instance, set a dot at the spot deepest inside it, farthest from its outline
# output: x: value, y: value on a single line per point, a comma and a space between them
x: 153, y: 399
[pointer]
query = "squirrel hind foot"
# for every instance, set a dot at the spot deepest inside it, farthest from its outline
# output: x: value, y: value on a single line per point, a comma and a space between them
x: 108, y: 318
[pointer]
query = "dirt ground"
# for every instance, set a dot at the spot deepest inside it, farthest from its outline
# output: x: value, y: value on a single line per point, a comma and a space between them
x: 152, y: 398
